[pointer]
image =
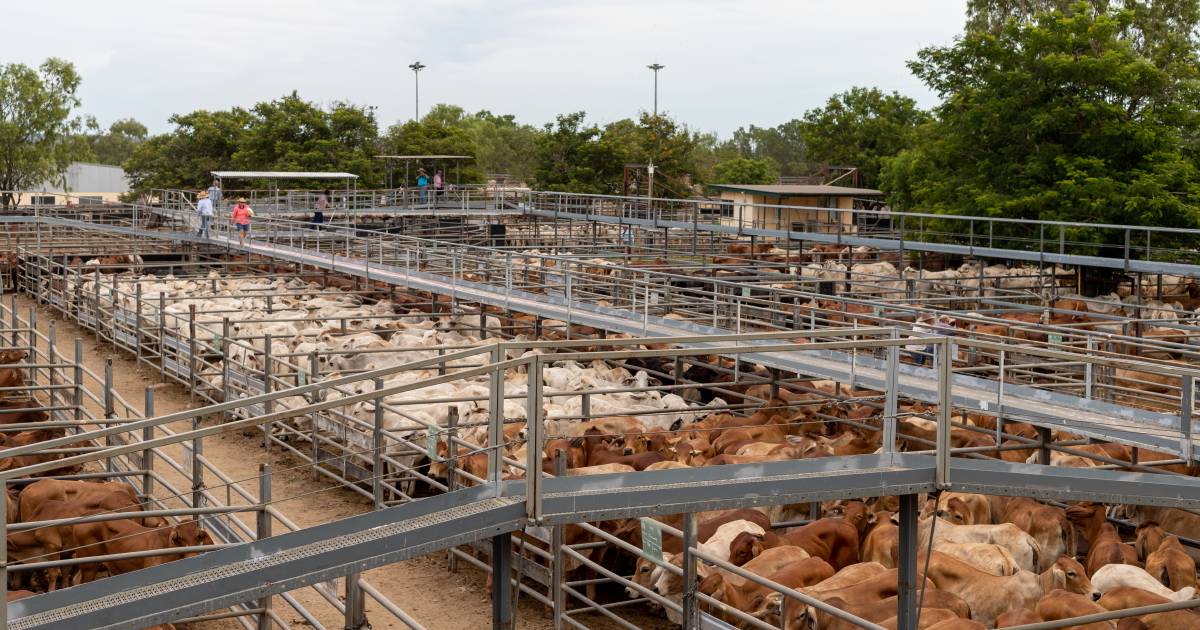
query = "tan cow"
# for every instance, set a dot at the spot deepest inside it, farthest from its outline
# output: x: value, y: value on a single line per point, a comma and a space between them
x: 990, y: 596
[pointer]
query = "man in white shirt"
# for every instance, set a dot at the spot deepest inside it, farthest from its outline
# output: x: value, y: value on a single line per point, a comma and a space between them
x: 204, y: 208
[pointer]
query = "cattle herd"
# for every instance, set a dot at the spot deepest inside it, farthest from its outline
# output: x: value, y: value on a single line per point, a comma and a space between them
x: 33, y: 500
x: 986, y: 561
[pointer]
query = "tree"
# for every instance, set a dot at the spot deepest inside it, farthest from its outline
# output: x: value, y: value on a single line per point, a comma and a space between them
x: 287, y: 134
x: 861, y: 128
x: 1056, y: 117
x: 745, y: 171
x: 37, y: 128
x: 502, y: 145
x: 201, y: 142
x: 782, y: 145
x: 570, y: 158
x: 442, y: 131
x: 117, y: 144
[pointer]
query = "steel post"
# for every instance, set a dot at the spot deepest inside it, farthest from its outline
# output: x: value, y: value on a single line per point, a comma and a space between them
x: 148, y: 454
x: 502, y: 613
x: 1187, y: 402
x: 945, y: 409
x: 108, y: 410
x: 533, y: 449
x: 906, y: 601
x: 557, y: 564
x: 691, y: 608
x: 262, y: 531
x: 377, y: 450
x: 891, y: 403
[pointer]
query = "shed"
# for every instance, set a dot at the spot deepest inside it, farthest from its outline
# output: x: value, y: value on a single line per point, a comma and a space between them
x: 764, y: 206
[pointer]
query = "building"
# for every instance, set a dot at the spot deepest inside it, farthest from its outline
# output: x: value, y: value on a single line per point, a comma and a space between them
x: 86, y: 183
x: 818, y: 208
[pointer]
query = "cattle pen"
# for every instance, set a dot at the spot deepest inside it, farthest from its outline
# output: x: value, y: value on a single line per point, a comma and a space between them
x: 372, y: 350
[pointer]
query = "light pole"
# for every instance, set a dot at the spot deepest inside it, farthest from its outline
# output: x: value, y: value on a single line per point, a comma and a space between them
x: 417, y: 67
x: 656, y: 67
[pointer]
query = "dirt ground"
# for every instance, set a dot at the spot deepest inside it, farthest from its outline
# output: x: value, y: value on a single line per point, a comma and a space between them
x: 423, y: 587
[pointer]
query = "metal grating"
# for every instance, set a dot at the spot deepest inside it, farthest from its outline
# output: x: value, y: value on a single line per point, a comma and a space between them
x: 224, y: 572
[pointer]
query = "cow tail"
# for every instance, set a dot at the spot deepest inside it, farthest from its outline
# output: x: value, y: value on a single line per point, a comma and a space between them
x: 1037, y: 554
x: 1165, y: 578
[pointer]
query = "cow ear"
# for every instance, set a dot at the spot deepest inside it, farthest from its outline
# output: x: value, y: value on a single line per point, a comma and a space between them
x: 176, y: 539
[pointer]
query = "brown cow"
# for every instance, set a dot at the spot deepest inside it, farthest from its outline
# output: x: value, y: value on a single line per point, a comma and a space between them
x: 113, y: 537
x: 751, y: 597
x: 1104, y: 544
x: 9, y: 357
x: 1047, y: 524
x: 1059, y: 604
x: 1165, y: 557
x: 86, y: 496
x: 800, y: 616
x: 1017, y: 617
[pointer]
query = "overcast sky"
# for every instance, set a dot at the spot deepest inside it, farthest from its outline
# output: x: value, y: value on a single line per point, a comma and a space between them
x: 728, y: 64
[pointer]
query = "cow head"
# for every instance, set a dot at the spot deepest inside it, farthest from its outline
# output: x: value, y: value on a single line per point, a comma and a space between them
x: 189, y: 534
x: 955, y: 511
x: 745, y: 547
x: 8, y: 357
x: 1067, y: 574
x: 1149, y: 536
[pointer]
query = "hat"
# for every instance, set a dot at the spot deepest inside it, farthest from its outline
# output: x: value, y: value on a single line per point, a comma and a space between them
x: 241, y: 200
x: 202, y: 195
x: 420, y: 169
x: 924, y: 317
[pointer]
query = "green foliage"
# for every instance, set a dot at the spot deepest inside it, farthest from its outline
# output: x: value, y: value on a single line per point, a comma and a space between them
x: 502, y: 145
x: 117, y: 144
x: 37, y: 129
x: 861, y: 128
x: 443, y: 131
x: 1064, y: 115
x: 285, y: 134
x: 571, y: 158
x: 783, y: 145
x: 745, y: 171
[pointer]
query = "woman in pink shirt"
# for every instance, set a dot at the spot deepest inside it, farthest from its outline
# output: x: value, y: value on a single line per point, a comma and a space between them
x: 241, y: 218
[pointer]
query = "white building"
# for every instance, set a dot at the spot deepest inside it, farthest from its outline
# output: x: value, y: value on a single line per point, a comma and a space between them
x: 86, y: 183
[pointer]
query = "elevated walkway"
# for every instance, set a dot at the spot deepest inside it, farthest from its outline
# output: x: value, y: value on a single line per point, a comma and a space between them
x: 252, y: 570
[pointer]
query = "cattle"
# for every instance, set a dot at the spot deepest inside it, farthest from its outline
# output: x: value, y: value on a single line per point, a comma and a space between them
x: 85, y: 496
x: 1059, y: 604
x: 1123, y: 597
x: 1165, y: 557
x: 993, y: 559
x: 1112, y: 576
x: 1017, y: 617
x: 751, y: 598
x: 1048, y: 525
x: 1023, y: 547
x: 1104, y: 544
x: 114, y: 537
x: 989, y: 595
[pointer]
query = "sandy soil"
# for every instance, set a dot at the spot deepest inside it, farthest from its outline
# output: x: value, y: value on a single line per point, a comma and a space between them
x: 423, y: 587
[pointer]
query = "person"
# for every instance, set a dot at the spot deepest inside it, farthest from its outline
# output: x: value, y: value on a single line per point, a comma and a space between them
x: 241, y: 218
x: 437, y: 185
x: 204, y: 208
x: 921, y: 352
x: 422, y: 183
x: 214, y: 194
x: 321, y: 206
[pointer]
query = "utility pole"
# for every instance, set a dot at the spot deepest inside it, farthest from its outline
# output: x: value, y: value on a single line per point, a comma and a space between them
x: 417, y: 67
x: 656, y: 67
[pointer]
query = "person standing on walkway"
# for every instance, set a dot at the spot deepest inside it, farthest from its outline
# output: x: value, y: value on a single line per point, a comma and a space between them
x: 214, y: 194
x: 437, y: 185
x: 320, y: 207
x: 422, y: 183
x: 241, y: 218
x: 204, y: 207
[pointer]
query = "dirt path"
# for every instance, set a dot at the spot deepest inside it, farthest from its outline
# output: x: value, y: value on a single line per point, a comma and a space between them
x: 423, y: 587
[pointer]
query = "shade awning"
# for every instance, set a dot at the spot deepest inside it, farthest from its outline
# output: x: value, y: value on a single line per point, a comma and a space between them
x: 281, y: 175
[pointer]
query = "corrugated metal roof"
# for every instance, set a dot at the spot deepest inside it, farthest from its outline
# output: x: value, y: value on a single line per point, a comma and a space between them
x: 799, y: 190
x: 282, y: 175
